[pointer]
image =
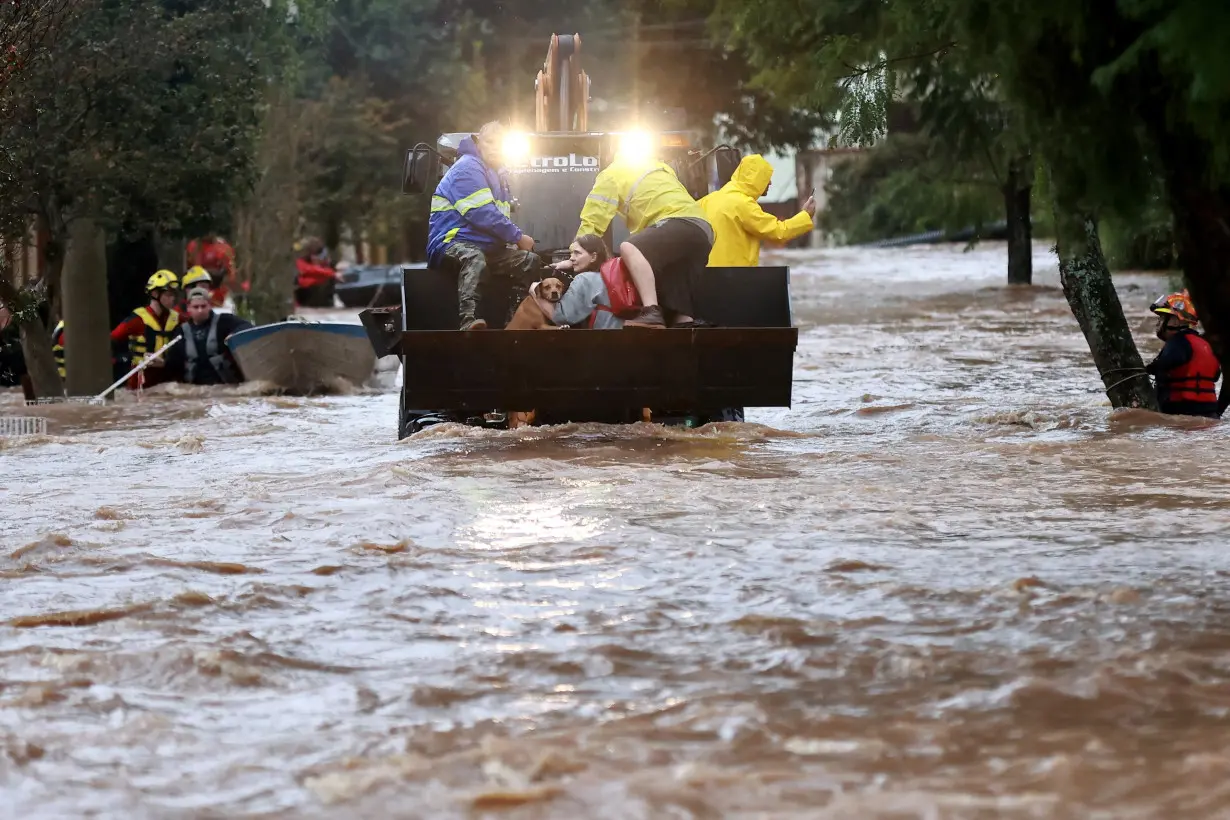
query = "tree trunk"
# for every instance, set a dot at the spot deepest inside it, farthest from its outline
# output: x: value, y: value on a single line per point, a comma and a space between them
x: 87, y: 341
x: 1095, y: 304
x: 35, y: 339
x: 40, y: 360
x: 267, y: 223
x: 1016, y: 192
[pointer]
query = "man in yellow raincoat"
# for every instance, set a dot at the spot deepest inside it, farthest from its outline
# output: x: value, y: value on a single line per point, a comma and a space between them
x: 670, y: 235
x: 740, y: 224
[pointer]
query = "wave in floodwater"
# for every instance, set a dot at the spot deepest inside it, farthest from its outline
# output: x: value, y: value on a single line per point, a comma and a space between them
x: 948, y: 582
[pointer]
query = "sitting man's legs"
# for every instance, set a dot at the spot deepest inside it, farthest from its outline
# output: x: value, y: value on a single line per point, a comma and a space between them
x: 520, y: 268
x: 471, y: 263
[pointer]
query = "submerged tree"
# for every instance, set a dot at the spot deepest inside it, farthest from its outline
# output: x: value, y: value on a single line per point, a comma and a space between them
x: 1038, y: 63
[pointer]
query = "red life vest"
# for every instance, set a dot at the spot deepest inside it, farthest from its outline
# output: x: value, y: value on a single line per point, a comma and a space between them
x: 620, y: 290
x: 1196, y: 380
x: 311, y: 274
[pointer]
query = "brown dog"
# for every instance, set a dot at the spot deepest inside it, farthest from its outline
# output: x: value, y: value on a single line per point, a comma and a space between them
x: 536, y: 311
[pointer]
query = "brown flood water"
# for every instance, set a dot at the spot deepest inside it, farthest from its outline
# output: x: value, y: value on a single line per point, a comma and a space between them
x: 947, y: 583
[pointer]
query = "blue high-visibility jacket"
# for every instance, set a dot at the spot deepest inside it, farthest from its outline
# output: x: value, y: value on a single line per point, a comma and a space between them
x: 472, y: 203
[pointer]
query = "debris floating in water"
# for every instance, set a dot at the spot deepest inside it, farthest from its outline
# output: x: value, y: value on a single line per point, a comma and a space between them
x: 15, y: 426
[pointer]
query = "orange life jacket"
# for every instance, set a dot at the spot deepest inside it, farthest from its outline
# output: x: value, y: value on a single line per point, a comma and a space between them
x: 619, y: 289
x: 1195, y: 381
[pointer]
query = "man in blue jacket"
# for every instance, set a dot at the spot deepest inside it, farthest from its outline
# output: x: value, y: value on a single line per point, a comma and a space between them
x: 470, y: 228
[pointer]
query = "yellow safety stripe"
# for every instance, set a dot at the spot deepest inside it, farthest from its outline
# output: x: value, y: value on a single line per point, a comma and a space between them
x: 439, y: 203
x: 606, y: 199
x: 57, y: 350
x: 451, y: 235
x: 478, y: 199
x: 505, y: 208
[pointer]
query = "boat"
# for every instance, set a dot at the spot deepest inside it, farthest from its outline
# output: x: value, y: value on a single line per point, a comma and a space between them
x: 304, y: 357
x: 364, y: 286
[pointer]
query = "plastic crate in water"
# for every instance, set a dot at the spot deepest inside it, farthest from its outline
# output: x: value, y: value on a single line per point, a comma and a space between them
x: 13, y: 426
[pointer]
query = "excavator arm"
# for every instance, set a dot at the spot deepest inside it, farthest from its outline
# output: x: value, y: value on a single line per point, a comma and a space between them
x: 561, y: 91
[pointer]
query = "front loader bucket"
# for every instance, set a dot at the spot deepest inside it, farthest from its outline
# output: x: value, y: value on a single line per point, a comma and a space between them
x: 584, y: 371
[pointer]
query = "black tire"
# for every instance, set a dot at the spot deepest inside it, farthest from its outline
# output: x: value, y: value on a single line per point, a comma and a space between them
x: 403, y: 418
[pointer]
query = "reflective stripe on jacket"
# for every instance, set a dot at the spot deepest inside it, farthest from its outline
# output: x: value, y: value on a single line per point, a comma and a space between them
x: 471, y: 204
x: 740, y: 224
x: 156, y: 335
x: 644, y: 193
x: 57, y: 349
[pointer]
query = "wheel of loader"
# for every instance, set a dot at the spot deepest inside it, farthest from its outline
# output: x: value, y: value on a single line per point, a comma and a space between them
x: 410, y: 422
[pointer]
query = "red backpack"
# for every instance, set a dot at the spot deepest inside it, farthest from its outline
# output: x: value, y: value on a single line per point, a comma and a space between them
x: 625, y: 300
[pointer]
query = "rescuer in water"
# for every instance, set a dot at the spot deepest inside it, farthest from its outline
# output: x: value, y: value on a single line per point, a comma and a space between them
x: 202, y: 357
x: 740, y: 224
x: 671, y: 238
x: 470, y: 227
x: 1186, y: 370
x: 601, y: 291
x: 195, y: 277
x: 149, y: 328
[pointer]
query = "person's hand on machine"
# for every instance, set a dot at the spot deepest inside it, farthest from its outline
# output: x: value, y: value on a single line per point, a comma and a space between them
x: 526, y: 242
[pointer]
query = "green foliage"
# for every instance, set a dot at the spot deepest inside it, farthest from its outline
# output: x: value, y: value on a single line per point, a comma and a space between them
x: 908, y: 185
x: 1146, y: 241
x: 148, y: 114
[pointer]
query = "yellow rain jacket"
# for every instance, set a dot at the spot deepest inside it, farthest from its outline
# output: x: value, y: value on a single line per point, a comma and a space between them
x: 740, y: 224
x: 643, y: 193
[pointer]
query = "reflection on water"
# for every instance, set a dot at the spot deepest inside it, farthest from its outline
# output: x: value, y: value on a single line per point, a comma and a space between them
x: 947, y: 582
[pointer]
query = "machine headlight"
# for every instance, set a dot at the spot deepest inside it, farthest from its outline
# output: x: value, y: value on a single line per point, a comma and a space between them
x: 636, y: 145
x: 516, y: 148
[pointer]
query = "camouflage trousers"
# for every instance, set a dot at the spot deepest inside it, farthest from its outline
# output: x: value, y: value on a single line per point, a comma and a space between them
x: 474, y: 265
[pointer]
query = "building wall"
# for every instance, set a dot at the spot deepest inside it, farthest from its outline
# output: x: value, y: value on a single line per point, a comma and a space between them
x: 25, y: 259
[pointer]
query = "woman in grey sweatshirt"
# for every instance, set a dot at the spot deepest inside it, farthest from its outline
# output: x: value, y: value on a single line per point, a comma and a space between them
x: 587, y: 294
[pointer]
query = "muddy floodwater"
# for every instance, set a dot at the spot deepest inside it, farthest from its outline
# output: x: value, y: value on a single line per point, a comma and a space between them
x: 947, y: 583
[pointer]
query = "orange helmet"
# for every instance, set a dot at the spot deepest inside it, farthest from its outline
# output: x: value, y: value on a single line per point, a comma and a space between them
x: 1178, y: 305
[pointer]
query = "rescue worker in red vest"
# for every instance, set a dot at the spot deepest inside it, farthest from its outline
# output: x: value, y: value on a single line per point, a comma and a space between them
x: 149, y: 328
x: 1186, y: 370
x: 588, y: 298
x: 202, y: 357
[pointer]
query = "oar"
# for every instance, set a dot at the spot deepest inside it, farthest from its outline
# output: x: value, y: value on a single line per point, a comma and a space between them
x: 139, y: 368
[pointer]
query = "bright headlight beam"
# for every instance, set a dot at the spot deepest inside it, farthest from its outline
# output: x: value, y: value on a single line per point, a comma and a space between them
x: 636, y: 145
x: 516, y: 147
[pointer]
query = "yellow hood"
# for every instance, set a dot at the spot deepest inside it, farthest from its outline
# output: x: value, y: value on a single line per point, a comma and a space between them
x: 740, y: 224
x: 752, y: 176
